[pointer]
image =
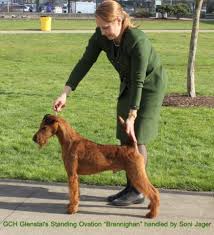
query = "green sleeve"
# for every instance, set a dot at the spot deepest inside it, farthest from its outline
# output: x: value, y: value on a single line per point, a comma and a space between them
x: 85, y: 63
x: 139, y: 62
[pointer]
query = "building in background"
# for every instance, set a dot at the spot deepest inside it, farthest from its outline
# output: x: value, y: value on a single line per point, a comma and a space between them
x: 88, y: 6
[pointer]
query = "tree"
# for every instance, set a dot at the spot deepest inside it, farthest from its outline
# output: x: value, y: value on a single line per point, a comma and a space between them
x: 69, y: 6
x: 164, y: 10
x: 192, y: 50
x: 181, y: 9
x: 37, y: 5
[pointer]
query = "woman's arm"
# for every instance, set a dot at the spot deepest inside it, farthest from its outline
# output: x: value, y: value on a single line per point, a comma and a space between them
x: 82, y: 67
x: 139, y: 63
x: 85, y: 63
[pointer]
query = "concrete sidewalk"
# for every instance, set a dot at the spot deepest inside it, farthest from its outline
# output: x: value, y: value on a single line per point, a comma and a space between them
x: 39, y: 208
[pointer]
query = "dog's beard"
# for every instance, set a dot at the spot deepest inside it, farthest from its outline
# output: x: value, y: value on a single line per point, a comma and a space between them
x: 42, y: 143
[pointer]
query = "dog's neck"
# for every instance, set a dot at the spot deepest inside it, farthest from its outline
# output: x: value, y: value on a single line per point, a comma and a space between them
x: 66, y: 135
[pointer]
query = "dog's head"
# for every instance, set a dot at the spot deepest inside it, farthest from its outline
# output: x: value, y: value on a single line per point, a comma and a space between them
x: 48, y: 128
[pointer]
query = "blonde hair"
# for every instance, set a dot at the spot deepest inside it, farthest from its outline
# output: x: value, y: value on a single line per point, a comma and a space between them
x: 109, y: 10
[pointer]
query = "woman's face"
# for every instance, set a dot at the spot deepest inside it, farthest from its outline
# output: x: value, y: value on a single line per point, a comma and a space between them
x: 111, y: 30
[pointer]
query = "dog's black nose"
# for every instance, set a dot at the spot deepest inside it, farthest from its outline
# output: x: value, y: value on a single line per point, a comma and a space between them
x: 34, y: 138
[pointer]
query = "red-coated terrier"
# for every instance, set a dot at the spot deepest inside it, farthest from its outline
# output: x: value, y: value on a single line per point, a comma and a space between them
x: 84, y: 157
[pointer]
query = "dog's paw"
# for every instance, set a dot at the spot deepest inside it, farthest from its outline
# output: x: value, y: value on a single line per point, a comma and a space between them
x: 68, y: 205
x: 72, y: 209
x: 151, y: 215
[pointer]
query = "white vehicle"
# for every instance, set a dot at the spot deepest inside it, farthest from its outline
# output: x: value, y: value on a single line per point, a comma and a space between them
x: 26, y: 8
x: 57, y: 10
x: 65, y: 8
x: 80, y: 7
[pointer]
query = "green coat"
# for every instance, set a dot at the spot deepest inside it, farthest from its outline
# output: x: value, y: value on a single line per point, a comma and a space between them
x: 143, y: 79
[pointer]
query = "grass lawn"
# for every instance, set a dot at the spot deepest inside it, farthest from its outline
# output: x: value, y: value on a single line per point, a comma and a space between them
x: 33, y: 71
x: 30, y: 24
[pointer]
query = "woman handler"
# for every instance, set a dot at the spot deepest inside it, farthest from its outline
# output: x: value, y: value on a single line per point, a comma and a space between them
x: 143, y: 81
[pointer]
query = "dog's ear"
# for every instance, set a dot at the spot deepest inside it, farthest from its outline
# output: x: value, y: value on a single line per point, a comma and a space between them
x: 49, y: 119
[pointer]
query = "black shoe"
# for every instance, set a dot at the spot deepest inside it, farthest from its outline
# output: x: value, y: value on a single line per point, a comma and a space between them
x: 131, y: 197
x: 119, y: 194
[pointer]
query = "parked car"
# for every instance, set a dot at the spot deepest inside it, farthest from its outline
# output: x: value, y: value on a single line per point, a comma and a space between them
x: 42, y: 8
x: 129, y: 9
x: 80, y: 7
x: 14, y: 8
x: 31, y: 7
x: 26, y: 8
x: 57, y: 9
x: 64, y: 9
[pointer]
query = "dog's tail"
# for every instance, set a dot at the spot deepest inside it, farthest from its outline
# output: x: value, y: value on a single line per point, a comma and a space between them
x: 132, y: 140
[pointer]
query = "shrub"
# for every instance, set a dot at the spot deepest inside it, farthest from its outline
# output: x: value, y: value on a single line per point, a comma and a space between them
x: 163, y: 9
x: 181, y: 9
x: 140, y: 13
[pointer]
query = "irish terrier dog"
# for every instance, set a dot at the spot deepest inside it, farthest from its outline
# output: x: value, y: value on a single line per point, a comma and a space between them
x: 84, y: 157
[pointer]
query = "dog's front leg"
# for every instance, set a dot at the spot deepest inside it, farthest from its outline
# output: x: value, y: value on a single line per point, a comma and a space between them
x: 73, y: 194
x: 73, y: 184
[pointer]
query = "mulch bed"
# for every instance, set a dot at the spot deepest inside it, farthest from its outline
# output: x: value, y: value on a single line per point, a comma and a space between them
x: 179, y: 100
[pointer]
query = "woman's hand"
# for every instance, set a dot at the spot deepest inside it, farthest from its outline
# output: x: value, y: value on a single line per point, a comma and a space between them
x: 130, y: 129
x: 60, y: 102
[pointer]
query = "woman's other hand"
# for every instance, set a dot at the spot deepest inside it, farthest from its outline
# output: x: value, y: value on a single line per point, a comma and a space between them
x: 130, y: 129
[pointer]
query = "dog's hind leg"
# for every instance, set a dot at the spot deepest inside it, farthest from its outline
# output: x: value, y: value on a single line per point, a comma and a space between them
x: 154, y: 205
x: 140, y: 181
